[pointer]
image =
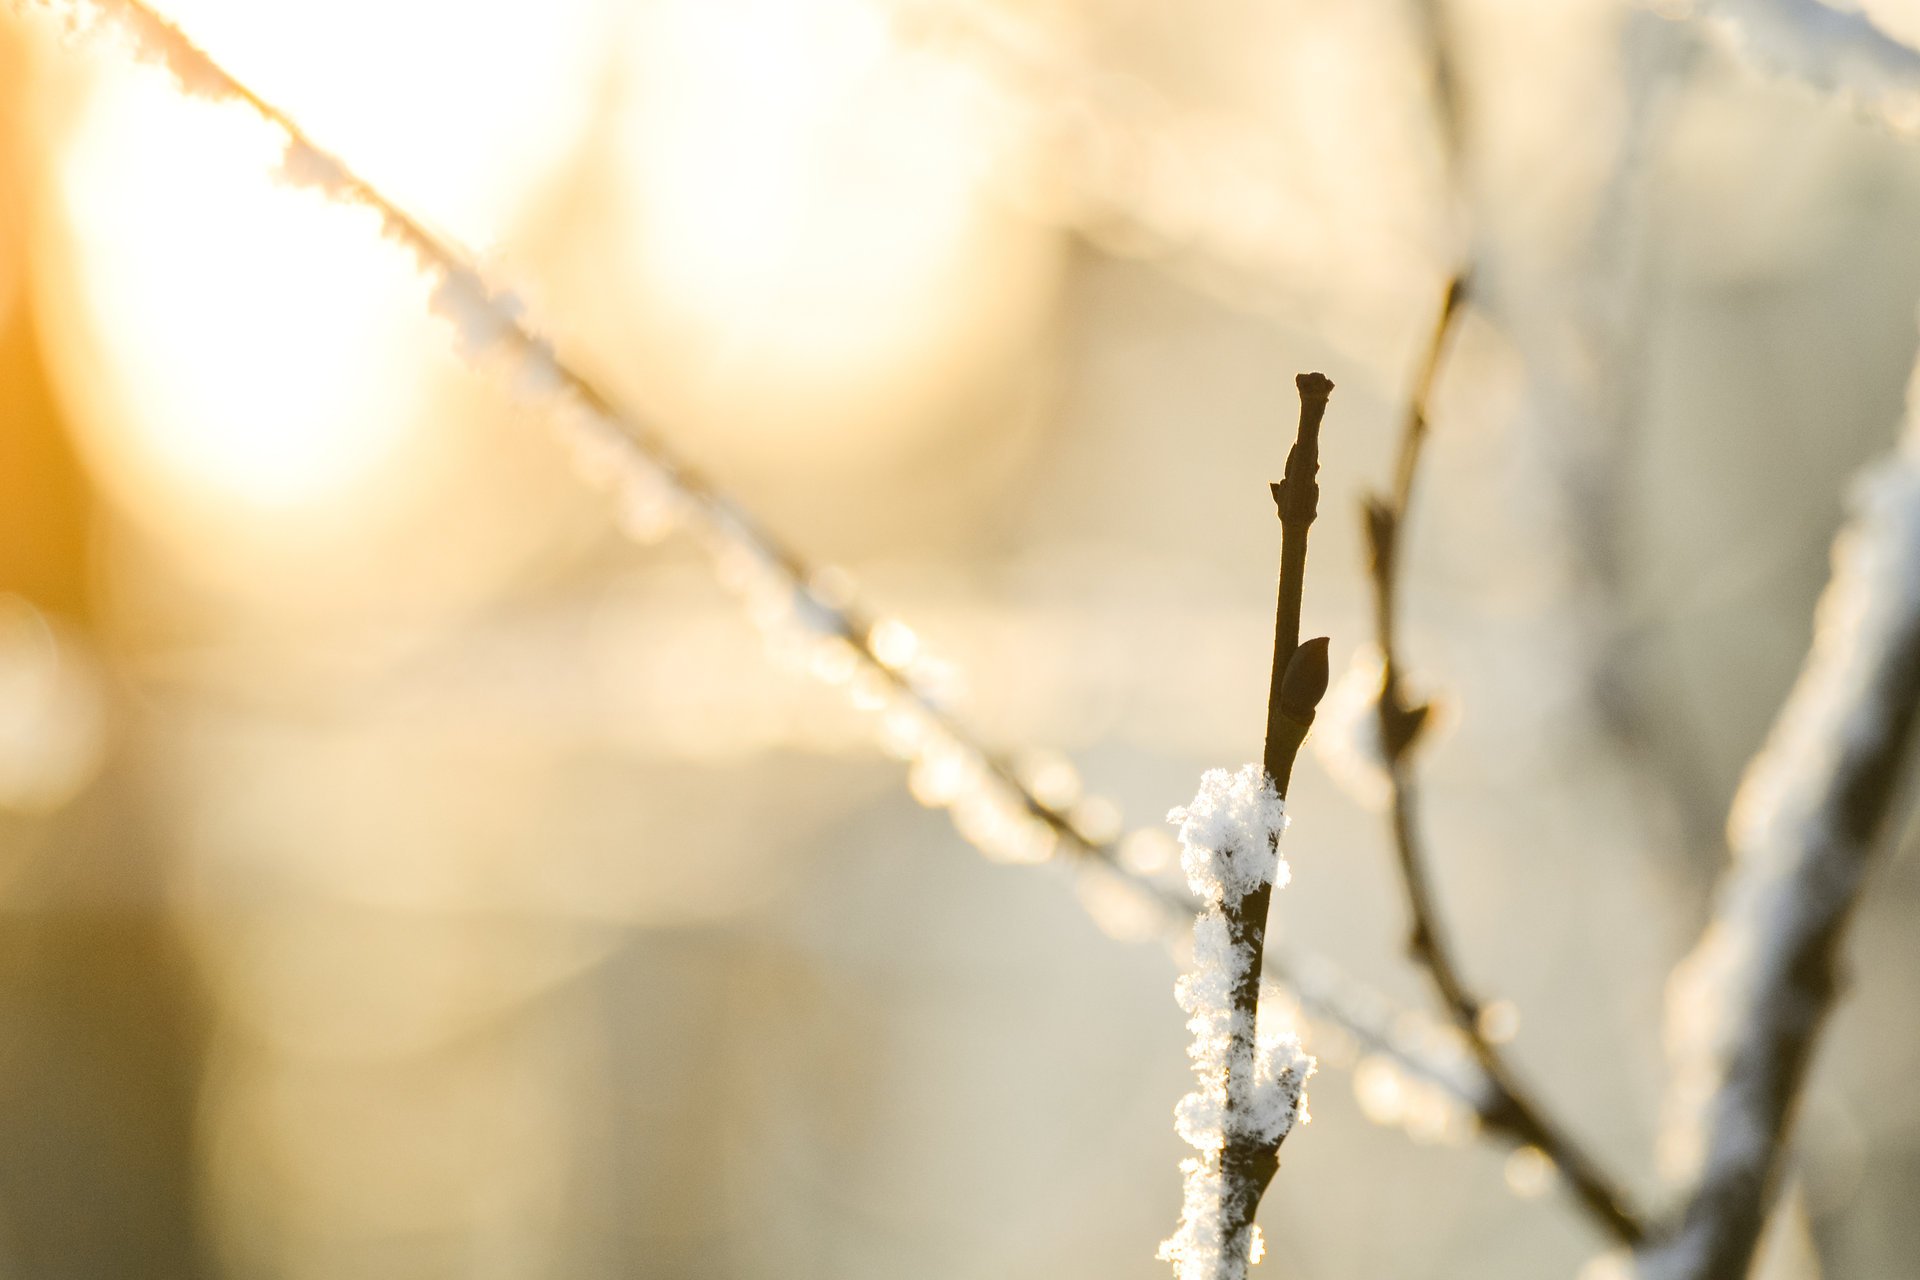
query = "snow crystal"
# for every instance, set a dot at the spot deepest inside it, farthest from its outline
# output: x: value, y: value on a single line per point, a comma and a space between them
x: 1827, y: 49
x: 1277, y: 1099
x: 1199, y: 1250
x: 1228, y: 834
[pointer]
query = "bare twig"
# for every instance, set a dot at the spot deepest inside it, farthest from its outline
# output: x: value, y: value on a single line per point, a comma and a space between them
x: 1747, y: 1005
x: 1513, y: 1111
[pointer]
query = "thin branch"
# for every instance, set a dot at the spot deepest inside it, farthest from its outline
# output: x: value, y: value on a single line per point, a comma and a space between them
x: 1249, y: 1076
x: 1746, y: 1007
x: 1514, y: 1111
x: 1299, y: 680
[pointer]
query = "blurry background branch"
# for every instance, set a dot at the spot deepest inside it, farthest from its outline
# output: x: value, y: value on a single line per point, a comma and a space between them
x: 1831, y: 50
x: 1513, y: 1112
x: 1748, y: 1004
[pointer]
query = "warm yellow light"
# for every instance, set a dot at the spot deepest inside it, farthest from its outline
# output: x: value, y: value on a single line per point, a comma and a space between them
x: 809, y: 193
x: 233, y: 347
x: 239, y: 336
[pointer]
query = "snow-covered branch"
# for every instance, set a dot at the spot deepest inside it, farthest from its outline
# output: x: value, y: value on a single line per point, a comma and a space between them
x: 1249, y: 1072
x: 1829, y: 50
x: 1745, y: 1008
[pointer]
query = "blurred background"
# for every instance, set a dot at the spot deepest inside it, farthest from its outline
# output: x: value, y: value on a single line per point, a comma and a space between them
x: 405, y: 874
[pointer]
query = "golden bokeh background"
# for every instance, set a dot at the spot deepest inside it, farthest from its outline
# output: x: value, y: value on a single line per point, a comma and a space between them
x: 405, y: 874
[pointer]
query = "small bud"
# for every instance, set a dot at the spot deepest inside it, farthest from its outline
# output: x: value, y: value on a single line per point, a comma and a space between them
x: 1305, y: 681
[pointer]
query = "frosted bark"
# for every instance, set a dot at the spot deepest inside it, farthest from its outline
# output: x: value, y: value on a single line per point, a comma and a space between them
x: 1746, y: 1006
x: 1249, y: 1079
x: 1829, y: 50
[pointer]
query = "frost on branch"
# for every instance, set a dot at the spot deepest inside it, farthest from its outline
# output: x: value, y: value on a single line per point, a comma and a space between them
x: 305, y: 165
x: 482, y: 319
x: 1746, y: 1005
x: 1830, y: 50
x: 145, y: 36
x: 1229, y: 833
x: 1249, y: 1082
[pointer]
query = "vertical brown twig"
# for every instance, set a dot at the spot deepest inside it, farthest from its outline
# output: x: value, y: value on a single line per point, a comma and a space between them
x: 1512, y: 1110
x: 1298, y: 682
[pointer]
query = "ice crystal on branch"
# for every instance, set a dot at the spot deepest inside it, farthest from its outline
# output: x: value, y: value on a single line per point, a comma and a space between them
x: 1746, y: 1006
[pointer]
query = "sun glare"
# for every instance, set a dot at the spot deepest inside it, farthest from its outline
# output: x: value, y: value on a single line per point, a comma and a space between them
x: 809, y: 190
x: 233, y: 344
x: 797, y: 217
x: 236, y: 333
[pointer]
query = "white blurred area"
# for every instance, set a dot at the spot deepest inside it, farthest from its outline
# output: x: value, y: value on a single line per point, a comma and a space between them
x: 536, y: 920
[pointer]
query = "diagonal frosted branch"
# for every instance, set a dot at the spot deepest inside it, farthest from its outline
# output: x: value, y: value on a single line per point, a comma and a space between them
x: 1829, y: 50
x: 991, y: 803
x: 1745, y: 1008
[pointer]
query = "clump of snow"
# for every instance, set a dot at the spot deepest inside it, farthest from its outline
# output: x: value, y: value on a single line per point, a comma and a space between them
x: 146, y: 35
x: 1200, y: 1249
x: 1229, y: 832
x: 1785, y: 873
x: 481, y: 318
x: 1248, y: 1087
x: 1206, y: 994
x: 158, y: 41
x: 305, y: 165
x: 149, y: 38
x: 1277, y: 1100
x: 1757, y: 977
